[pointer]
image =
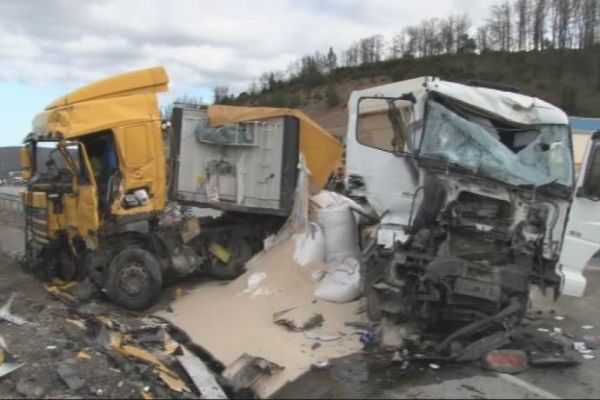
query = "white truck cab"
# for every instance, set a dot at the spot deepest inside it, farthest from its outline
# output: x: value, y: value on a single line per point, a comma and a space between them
x: 475, y: 190
x: 582, y: 234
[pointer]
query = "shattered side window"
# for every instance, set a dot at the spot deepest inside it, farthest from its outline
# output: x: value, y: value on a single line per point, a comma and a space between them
x: 542, y: 157
x: 382, y: 124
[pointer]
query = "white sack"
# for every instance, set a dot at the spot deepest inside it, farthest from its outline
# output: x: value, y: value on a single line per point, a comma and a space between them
x: 341, y: 236
x: 341, y: 284
x: 325, y: 199
x: 310, y: 246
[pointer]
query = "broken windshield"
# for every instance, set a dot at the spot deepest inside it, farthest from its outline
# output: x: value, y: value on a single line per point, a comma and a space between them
x: 535, y: 156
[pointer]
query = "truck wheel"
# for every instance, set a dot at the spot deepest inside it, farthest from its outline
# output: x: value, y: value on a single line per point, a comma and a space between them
x: 134, y: 279
x: 240, y: 251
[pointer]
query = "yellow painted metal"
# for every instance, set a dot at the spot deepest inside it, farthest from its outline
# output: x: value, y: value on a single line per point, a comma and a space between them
x: 26, y: 163
x: 321, y: 150
x: 220, y: 252
x: 149, y: 80
x: 127, y: 105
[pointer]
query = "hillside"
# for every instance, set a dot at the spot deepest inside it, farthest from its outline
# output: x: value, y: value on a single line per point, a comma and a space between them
x: 9, y: 160
x: 569, y: 79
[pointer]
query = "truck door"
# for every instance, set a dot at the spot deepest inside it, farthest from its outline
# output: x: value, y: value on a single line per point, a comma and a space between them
x: 582, y: 234
x: 379, y: 162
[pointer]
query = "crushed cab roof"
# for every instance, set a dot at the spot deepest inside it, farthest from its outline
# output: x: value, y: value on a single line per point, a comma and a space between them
x: 509, y: 106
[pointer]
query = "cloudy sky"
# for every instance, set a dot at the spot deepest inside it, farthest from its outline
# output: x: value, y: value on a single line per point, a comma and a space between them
x: 50, y: 47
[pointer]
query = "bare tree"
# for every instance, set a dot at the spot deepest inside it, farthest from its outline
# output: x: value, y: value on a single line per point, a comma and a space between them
x: 562, y: 16
x: 522, y: 12
x: 447, y: 37
x: 398, y: 47
x: 352, y: 55
x: 540, y: 11
x: 590, y: 11
x: 483, y: 37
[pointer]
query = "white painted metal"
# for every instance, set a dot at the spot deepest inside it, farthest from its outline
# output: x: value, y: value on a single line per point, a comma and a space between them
x: 256, y: 177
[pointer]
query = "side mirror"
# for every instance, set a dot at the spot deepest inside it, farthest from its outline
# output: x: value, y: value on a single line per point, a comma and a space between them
x: 26, y: 163
x: 591, y: 180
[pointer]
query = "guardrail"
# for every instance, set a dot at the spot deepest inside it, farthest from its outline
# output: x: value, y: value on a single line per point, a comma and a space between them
x: 11, y: 202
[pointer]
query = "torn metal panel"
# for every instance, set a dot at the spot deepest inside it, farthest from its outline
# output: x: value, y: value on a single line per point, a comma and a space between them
x: 8, y: 363
x: 202, y: 377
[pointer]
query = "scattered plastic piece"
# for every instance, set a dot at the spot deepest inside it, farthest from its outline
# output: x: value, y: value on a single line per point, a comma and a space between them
x: 559, y: 318
x: 579, y: 346
x: 7, y: 316
x: 543, y: 330
x: 146, y: 395
x: 589, y: 356
x: 254, y: 281
x: 82, y: 355
x: 321, y: 337
x: 320, y: 365
x: 587, y: 327
x: 369, y: 339
x: 434, y: 367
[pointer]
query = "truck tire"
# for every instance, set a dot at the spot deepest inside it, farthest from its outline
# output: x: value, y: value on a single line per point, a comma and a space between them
x: 240, y: 251
x: 134, y: 279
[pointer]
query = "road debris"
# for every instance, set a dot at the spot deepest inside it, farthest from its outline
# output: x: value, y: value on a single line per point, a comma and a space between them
x: 320, y: 365
x: 559, y: 317
x: 83, y: 355
x: 201, y: 376
x: 587, y: 327
x: 591, y: 342
x: 551, y: 359
x: 506, y: 361
x: 8, y: 363
x: 321, y: 337
x: 298, y: 319
x: 69, y: 376
x: 369, y: 339
x: 245, y: 371
x: 434, y: 367
x: 7, y: 316
x: 254, y: 281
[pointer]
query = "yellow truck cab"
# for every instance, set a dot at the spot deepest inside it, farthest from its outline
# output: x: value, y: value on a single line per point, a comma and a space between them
x: 100, y: 170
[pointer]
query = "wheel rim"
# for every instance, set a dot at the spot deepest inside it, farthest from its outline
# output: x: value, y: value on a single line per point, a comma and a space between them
x: 133, y: 280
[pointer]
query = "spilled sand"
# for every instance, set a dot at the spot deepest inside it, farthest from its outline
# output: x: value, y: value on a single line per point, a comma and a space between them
x: 228, y: 322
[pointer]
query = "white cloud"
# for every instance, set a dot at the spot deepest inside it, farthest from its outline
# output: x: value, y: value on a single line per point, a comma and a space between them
x: 201, y: 43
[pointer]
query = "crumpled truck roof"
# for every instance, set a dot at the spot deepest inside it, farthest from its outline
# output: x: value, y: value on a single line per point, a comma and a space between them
x: 511, y: 107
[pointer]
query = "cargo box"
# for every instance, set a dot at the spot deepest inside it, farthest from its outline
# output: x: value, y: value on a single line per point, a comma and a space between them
x: 249, y: 166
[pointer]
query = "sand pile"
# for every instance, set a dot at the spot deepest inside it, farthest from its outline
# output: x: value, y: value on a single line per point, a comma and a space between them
x: 229, y: 319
